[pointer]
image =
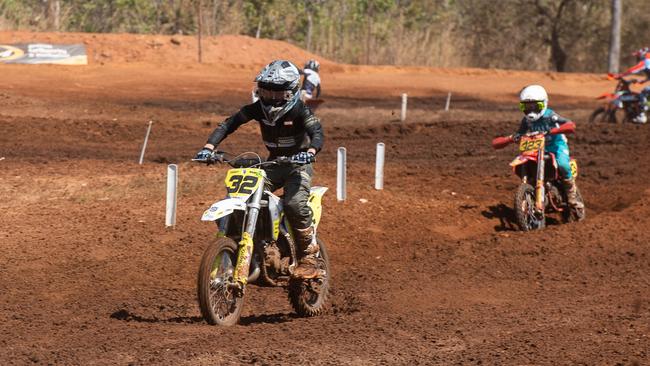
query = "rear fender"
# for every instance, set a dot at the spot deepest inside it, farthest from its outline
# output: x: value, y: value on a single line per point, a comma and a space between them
x: 223, y: 208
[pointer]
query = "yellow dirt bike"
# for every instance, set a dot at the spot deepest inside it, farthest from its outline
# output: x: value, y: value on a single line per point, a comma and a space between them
x: 541, y: 190
x: 254, y: 244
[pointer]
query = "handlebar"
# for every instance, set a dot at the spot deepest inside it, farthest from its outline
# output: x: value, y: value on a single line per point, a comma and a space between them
x: 239, y: 162
x: 566, y: 128
x: 621, y: 79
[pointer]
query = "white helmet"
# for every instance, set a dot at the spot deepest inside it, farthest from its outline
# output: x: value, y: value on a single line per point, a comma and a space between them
x: 533, y: 101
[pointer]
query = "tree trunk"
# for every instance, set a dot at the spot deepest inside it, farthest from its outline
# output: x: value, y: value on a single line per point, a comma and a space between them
x: 397, y: 55
x: 615, y: 38
x: 56, y: 15
x: 259, y: 28
x: 215, y: 15
x: 368, y: 32
x: 310, y: 27
x: 200, y: 16
x: 557, y: 53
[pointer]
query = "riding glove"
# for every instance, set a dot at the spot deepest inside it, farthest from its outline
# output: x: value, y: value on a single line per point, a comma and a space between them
x: 205, y: 155
x: 303, y: 157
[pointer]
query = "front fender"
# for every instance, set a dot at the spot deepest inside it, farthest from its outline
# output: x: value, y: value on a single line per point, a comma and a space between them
x: 608, y: 96
x: 521, y: 159
x: 223, y: 208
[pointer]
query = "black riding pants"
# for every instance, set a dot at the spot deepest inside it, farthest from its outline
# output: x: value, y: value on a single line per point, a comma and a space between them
x: 296, y: 181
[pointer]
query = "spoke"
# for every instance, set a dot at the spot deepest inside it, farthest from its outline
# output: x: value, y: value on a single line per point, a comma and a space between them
x: 221, y: 300
x: 216, y: 301
x: 221, y: 304
x: 532, y: 219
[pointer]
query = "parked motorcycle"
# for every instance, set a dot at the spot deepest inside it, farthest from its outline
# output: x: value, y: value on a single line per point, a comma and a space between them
x: 255, y: 244
x: 541, y: 190
x: 622, y: 101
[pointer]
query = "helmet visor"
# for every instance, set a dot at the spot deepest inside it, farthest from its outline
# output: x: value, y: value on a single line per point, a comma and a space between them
x: 531, y: 106
x: 275, y: 98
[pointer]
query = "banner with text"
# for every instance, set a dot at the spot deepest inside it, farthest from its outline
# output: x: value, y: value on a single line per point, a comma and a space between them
x: 43, y: 53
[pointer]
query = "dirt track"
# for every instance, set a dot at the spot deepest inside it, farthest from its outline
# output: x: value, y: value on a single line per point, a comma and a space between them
x: 429, y: 271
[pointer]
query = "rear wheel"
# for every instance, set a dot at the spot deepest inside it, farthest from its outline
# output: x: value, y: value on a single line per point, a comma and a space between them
x: 573, y: 214
x: 527, y: 217
x: 220, y: 303
x: 308, y: 297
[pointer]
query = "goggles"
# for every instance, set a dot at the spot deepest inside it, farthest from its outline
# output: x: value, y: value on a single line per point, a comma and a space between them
x: 532, y: 106
x: 274, y: 97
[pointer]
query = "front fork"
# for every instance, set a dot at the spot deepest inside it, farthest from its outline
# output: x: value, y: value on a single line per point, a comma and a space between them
x: 539, y: 185
x: 245, y: 253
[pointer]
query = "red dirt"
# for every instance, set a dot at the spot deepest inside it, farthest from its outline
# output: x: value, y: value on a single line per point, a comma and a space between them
x: 428, y: 271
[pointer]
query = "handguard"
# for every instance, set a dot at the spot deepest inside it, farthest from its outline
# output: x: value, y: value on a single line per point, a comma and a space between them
x: 501, y: 142
x: 566, y: 128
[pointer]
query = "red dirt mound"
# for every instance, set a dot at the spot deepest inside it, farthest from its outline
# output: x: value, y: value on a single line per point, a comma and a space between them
x: 237, y: 59
x: 170, y: 50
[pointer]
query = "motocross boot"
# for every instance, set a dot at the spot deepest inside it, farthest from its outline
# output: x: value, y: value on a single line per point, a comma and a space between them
x: 641, y: 118
x: 644, y: 109
x: 572, y: 193
x: 306, y: 250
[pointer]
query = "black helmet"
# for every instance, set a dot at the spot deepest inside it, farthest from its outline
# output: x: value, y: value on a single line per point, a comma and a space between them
x: 312, y: 65
x: 278, y: 83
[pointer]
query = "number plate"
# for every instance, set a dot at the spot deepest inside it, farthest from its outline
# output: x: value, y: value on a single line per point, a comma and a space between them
x: 531, y: 143
x: 241, y: 183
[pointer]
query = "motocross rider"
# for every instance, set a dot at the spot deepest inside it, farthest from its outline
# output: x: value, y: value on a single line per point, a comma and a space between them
x: 311, y: 84
x: 642, y: 66
x: 288, y: 128
x: 538, y: 117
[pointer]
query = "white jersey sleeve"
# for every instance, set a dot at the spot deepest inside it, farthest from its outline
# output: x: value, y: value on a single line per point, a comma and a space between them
x: 312, y: 76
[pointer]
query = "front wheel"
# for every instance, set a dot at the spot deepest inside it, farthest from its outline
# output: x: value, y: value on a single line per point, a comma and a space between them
x: 602, y: 114
x: 308, y: 297
x: 527, y: 217
x: 220, y: 302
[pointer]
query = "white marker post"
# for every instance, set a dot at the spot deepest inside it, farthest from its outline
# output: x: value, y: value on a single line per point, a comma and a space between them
x: 340, y: 173
x: 448, y: 101
x: 379, y: 166
x: 144, y: 145
x: 402, y: 116
x: 172, y: 184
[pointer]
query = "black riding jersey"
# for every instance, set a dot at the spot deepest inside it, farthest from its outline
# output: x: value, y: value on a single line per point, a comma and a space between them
x: 297, y: 130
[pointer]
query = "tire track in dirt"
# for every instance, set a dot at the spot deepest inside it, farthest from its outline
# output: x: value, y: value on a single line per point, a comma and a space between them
x: 426, y: 271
